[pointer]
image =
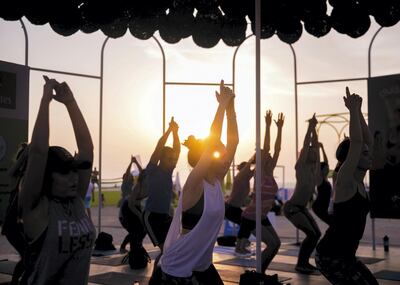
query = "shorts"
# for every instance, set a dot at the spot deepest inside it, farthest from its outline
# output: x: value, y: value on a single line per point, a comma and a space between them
x: 233, y: 214
x: 157, y: 226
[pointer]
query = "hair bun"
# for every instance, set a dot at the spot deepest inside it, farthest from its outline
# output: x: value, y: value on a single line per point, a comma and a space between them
x: 191, y: 142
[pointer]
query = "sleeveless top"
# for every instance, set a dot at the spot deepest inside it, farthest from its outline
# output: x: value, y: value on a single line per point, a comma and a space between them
x: 193, y: 251
x: 269, y: 188
x: 192, y: 216
x: 67, y: 247
x: 347, y: 228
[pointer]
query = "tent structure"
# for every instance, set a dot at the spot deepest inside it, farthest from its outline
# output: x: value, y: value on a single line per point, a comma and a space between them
x: 208, y: 22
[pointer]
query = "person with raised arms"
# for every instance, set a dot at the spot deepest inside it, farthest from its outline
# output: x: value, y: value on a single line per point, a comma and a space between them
x: 336, y: 252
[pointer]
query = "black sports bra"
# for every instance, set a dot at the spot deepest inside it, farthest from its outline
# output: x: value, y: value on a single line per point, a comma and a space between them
x: 191, y: 217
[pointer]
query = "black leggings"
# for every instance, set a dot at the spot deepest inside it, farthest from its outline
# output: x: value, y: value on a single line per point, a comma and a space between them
x: 341, y: 271
x: 301, y: 219
x: 208, y: 277
x: 133, y: 224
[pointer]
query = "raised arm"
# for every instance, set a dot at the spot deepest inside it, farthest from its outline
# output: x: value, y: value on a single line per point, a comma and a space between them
x: 191, y: 189
x: 128, y: 169
x: 321, y: 146
x: 267, y: 136
x: 82, y: 134
x: 246, y: 170
x: 176, y: 142
x: 278, y: 141
x: 155, y: 157
x: 345, y: 175
x: 37, y: 158
x: 315, y: 146
x: 368, y: 139
x: 233, y: 134
x: 307, y: 140
x: 136, y: 162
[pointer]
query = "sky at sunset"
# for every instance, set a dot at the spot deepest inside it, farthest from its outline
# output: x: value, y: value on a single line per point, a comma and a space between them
x: 132, y: 114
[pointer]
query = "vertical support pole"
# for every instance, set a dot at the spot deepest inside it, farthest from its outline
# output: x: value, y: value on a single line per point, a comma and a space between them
x: 296, y: 115
x: 26, y: 42
x: 101, y: 129
x: 164, y: 83
x: 258, y: 150
x: 369, y: 76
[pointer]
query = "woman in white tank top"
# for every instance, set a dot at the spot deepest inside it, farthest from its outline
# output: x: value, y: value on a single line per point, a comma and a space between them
x: 188, y: 248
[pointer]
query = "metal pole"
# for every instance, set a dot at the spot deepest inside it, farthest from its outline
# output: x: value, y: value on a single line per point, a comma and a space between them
x: 369, y: 76
x: 101, y: 127
x: 233, y: 89
x: 164, y: 81
x: 369, y: 50
x: 296, y: 115
x: 26, y: 42
x: 258, y: 151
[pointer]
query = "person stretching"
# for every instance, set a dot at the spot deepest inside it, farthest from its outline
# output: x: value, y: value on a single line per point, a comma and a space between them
x: 324, y: 191
x: 336, y: 252
x: 269, y: 189
x: 156, y: 216
x: 307, y: 174
x: 188, y: 249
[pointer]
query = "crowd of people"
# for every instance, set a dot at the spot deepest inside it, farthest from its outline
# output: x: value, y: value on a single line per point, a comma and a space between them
x: 53, y: 232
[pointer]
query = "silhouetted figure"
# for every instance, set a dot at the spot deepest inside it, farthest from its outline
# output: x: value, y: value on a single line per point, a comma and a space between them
x: 295, y: 209
x: 324, y: 191
x: 269, y: 189
x: 190, y: 242
x: 130, y: 214
x: 336, y: 252
x: 52, y: 194
x: 240, y: 191
x: 12, y: 227
x: 156, y: 216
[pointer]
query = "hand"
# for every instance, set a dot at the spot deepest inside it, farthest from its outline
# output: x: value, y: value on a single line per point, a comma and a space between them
x: 352, y: 101
x: 313, y: 121
x: 225, y: 94
x: 281, y: 120
x: 64, y: 94
x: 48, y: 88
x: 173, y: 126
x: 268, y: 117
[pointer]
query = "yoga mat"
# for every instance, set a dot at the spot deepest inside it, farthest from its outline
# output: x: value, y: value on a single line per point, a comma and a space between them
x: 97, y: 252
x: 110, y: 260
x: 388, y: 275
x: 117, y: 260
x: 234, y: 275
x: 363, y: 259
x: 251, y: 262
x: 7, y: 267
x: 112, y: 278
